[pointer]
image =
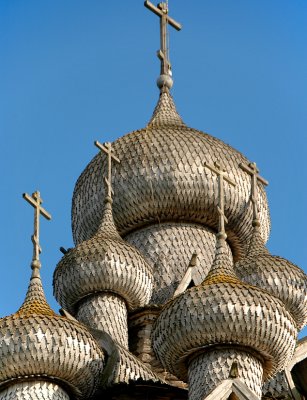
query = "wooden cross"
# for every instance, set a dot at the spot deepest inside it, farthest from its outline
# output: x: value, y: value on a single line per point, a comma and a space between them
x: 35, y: 200
x: 253, y: 171
x: 221, y: 173
x: 162, y: 11
x: 107, y: 148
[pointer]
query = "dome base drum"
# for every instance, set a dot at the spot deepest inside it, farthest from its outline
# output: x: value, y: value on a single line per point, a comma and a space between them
x: 34, y: 390
x: 208, y: 370
x: 106, y: 312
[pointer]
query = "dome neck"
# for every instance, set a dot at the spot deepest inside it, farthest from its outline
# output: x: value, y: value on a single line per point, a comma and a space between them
x: 165, y: 113
x: 222, y: 268
x: 35, y: 301
x: 257, y: 244
x: 107, y: 226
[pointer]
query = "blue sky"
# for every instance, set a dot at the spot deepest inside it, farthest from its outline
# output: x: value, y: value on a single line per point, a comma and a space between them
x: 75, y: 71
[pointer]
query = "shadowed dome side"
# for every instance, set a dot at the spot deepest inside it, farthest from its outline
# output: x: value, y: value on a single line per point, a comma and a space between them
x: 277, y: 275
x: 163, y: 165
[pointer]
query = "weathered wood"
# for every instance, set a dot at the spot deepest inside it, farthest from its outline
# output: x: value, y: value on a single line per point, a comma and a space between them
x: 107, y: 148
x: 253, y: 171
x: 221, y: 174
x: 162, y: 12
x: 35, y: 200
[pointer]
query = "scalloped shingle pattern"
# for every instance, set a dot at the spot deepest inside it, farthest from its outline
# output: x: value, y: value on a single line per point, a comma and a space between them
x: 277, y: 387
x: 34, y: 391
x: 163, y: 165
x: 276, y: 275
x: 169, y: 248
x: 106, y: 312
x: 165, y: 113
x: 224, y: 311
x: 103, y: 263
x: 207, y: 370
x: 221, y: 313
x: 35, y: 301
x: 51, y: 346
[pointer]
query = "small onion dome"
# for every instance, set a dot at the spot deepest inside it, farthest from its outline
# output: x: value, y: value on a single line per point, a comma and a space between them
x: 161, y: 177
x: 276, y: 275
x: 36, y: 343
x: 224, y: 311
x: 103, y: 263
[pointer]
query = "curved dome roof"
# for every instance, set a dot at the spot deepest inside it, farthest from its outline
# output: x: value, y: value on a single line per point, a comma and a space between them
x: 170, y: 246
x: 161, y: 177
x: 220, y: 311
x: 103, y: 263
x: 38, y: 343
x: 276, y: 275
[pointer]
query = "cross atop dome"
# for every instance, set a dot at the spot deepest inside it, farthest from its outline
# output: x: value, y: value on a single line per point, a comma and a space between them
x: 222, y: 175
x: 108, y: 150
x: 35, y: 200
x: 165, y: 79
x: 253, y: 171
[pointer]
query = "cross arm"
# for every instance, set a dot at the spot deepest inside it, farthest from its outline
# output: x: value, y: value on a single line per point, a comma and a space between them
x: 220, y: 172
x: 106, y: 150
x: 36, y: 205
x: 160, y: 13
x: 254, y: 171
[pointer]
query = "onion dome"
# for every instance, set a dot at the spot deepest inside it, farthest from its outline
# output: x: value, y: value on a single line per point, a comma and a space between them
x: 163, y: 164
x: 276, y: 275
x: 224, y: 311
x: 103, y: 263
x: 38, y: 345
x: 35, y: 343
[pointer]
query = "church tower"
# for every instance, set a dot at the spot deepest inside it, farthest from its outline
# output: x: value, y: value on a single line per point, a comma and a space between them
x: 170, y: 291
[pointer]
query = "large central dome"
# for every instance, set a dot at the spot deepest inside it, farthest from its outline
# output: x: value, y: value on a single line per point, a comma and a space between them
x: 163, y: 165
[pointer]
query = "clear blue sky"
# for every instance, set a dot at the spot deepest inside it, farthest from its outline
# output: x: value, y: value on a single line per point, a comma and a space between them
x: 74, y: 71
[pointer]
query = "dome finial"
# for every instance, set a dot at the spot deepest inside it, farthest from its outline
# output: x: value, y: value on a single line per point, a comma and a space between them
x: 107, y: 148
x: 221, y: 174
x: 253, y: 171
x: 35, y: 200
x: 35, y: 301
x: 165, y: 79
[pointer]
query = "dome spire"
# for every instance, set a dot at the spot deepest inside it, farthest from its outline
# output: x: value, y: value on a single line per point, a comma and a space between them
x: 35, y: 301
x: 165, y: 79
x: 222, y: 268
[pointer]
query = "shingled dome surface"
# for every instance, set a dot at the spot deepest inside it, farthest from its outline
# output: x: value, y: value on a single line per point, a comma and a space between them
x: 220, y: 311
x: 38, y: 343
x: 103, y: 263
x: 163, y: 165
